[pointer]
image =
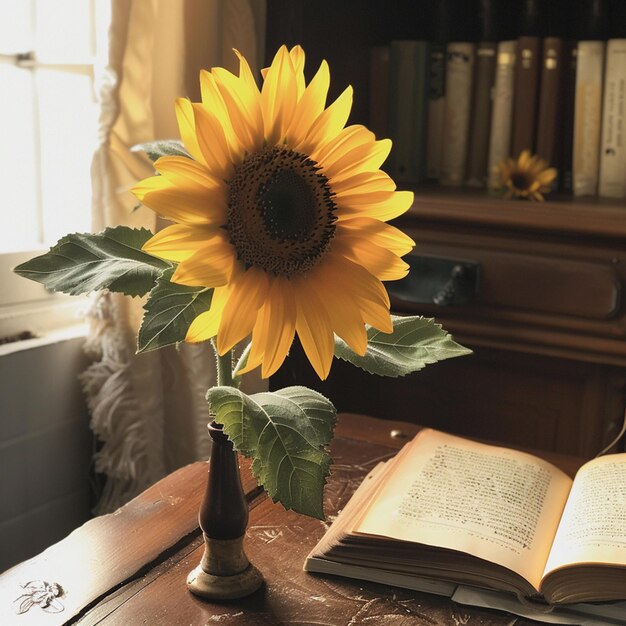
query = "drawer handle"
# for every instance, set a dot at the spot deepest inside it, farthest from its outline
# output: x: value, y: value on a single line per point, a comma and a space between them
x: 450, y: 291
x: 435, y: 280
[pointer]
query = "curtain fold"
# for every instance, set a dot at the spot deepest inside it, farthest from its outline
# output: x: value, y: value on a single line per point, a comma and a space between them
x: 149, y: 411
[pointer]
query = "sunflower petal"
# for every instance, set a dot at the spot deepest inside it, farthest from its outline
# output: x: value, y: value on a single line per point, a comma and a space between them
x: 310, y: 106
x: 347, y: 140
x: 212, y: 142
x: 250, y: 98
x: 365, y: 158
x: 211, y: 266
x: 381, y: 205
x: 329, y: 123
x: 364, y: 182
x: 547, y: 176
x: 278, y: 96
x: 524, y: 159
x: 314, y: 328
x: 297, y: 58
x: 365, y: 289
x: 248, y: 293
x: 206, y: 325
x: 191, y: 204
x: 382, y: 263
x: 187, y: 128
x: 213, y: 102
x: 274, y: 329
x: 177, y: 168
x: 179, y: 241
x: 345, y: 315
x: 377, y: 232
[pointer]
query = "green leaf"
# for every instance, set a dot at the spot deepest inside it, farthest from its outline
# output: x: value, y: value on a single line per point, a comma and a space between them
x: 113, y: 259
x: 167, y: 147
x: 286, y: 433
x: 170, y: 309
x: 414, y: 343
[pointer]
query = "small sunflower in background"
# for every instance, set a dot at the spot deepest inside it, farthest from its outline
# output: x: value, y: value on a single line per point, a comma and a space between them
x: 528, y: 177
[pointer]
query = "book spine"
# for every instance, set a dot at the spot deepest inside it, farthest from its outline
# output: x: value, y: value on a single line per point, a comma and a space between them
x: 436, y: 110
x: 613, y: 147
x: 410, y: 61
x: 588, y: 116
x: 550, y: 101
x: 502, y: 108
x: 459, y: 74
x: 567, y: 127
x: 379, y: 90
x: 526, y: 89
x: 481, y: 114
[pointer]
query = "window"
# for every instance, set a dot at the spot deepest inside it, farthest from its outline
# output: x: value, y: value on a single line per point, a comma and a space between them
x: 48, y: 125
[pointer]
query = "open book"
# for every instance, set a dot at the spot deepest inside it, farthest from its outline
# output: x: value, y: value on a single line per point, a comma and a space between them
x: 456, y: 512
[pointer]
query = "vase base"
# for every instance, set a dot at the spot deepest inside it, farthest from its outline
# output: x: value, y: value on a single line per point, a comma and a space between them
x: 232, y: 587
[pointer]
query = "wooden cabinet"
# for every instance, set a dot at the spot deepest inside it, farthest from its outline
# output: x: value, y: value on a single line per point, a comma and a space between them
x: 548, y: 321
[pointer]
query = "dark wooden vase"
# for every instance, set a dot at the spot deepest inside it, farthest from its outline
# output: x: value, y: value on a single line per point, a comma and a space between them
x: 224, y: 572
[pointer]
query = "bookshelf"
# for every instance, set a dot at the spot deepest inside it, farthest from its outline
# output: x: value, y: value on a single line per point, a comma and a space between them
x: 548, y: 324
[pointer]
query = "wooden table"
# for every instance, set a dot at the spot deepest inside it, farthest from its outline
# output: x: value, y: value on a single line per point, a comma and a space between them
x: 130, y: 567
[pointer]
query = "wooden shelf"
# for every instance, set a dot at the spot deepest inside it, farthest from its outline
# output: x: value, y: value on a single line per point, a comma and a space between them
x: 598, y: 217
x: 548, y: 320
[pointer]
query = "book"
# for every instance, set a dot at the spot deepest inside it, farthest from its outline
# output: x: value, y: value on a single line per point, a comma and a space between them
x: 410, y: 67
x: 565, y: 176
x: 436, y: 109
x: 379, y: 90
x: 484, y: 77
x: 588, y: 117
x: 526, y: 91
x: 459, y: 74
x: 612, y: 177
x: 447, y: 511
x: 502, y: 108
x: 549, y: 137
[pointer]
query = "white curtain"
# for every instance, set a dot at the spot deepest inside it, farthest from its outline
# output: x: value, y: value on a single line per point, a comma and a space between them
x: 149, y: 411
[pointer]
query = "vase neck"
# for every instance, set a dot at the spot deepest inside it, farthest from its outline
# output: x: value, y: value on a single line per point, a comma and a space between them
x: 224, y: 511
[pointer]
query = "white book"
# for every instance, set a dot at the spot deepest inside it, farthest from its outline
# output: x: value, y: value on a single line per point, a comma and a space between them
x: 588, y: 117
x: 502, y: 108
x: 459, y: 74
x: 613, y: 148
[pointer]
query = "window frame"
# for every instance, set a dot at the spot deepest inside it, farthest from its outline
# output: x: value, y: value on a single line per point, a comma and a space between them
x: 27, y: 306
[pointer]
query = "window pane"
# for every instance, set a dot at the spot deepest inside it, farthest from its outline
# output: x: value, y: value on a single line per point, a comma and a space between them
x: 19, y: 228
x: 63, y: 29
x: 68, y: 117
x: 15, y: 26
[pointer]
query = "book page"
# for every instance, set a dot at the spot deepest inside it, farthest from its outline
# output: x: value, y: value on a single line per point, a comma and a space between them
x: 593, y: 528
x: 494, y: 503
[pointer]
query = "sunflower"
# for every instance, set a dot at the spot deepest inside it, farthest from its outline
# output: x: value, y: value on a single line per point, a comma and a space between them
x: 282, y: 210
x: 529, y: 177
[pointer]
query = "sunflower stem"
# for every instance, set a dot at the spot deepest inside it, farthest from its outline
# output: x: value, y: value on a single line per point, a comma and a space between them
x: 224, y: 367
x: 241, y: 363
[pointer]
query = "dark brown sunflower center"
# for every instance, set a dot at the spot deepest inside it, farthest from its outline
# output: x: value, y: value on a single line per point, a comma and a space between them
x: 280, y: 211
x: 521, y: 181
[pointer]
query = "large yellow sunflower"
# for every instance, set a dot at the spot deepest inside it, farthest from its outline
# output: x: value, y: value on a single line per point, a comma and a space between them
x: 282, y: 211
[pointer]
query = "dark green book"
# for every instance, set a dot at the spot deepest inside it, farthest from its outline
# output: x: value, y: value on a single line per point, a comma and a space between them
x: 408, y: 107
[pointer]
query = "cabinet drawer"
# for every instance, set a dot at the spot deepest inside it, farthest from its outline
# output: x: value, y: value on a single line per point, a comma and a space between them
x: 540, y: 284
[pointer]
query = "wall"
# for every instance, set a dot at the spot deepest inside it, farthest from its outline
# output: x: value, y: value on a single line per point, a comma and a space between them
x: 45, y: 445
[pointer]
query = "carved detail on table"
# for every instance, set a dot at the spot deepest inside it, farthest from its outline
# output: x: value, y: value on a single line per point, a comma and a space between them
x: 40, y: 593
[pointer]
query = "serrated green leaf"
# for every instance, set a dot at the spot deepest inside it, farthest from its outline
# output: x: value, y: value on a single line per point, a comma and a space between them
x: 414, y: 343
x: 170, y: 309
x: 285, y: 433
x: 167, y: 147
x: 113, y: 259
